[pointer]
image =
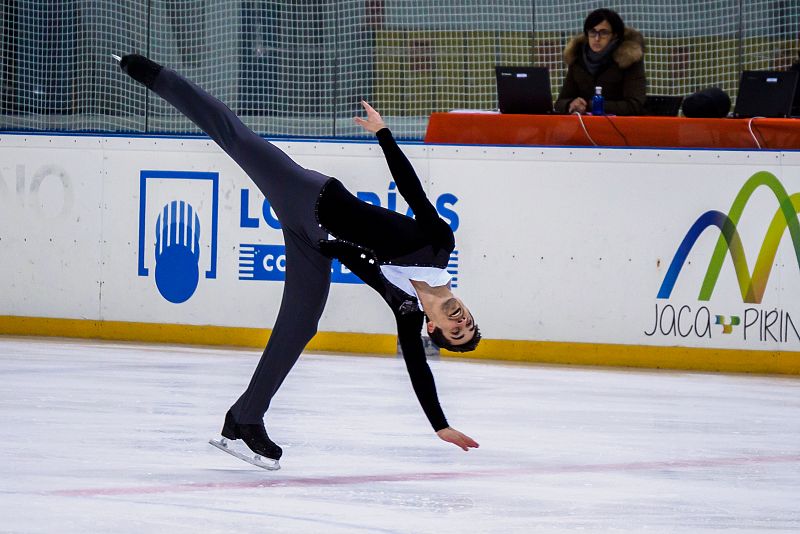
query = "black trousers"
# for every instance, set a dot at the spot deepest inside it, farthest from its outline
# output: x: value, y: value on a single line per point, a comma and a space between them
x: 293, y: 192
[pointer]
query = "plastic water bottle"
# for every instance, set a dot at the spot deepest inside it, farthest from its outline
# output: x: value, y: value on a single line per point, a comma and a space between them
x: 598, y: 102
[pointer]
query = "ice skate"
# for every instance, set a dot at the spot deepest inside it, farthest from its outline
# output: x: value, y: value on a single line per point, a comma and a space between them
x: 140, y: 68
x: 255, y: 446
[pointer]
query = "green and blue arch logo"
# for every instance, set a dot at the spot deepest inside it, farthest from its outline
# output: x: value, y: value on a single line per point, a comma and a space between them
x: 752, y: 285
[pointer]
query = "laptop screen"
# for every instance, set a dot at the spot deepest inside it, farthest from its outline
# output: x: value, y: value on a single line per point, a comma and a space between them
x: 524, y: 90
x: 765, y: 93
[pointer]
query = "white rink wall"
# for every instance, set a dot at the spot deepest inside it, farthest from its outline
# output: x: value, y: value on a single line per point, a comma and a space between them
x: 554, y: 244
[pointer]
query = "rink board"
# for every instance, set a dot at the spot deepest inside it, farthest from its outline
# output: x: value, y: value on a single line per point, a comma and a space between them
x: 566, y: 255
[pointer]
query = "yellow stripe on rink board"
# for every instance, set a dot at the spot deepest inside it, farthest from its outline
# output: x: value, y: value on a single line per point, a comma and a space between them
x: 651, y: 357
x: 188, y: 334
x: 695, y: 359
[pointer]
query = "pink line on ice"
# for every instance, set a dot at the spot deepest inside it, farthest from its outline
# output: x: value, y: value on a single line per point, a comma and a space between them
x: 343, y: 480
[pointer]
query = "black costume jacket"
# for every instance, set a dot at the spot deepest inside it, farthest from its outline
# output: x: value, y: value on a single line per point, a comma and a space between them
x: 367, y: 236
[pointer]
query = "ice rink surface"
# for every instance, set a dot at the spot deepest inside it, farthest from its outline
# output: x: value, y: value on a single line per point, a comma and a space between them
x: 110, y: 437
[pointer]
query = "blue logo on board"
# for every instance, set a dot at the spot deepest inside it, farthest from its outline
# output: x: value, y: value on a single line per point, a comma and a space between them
x: 172, y: 231
x: 178, y: 222
x: 268, y: 262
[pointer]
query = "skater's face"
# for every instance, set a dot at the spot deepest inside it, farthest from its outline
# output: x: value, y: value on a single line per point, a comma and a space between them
x: 455, y: 321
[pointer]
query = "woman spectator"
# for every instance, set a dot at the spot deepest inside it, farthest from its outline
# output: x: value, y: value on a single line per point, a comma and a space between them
x: 608, y: 55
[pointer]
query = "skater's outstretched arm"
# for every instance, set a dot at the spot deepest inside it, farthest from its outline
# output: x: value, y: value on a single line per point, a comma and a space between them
x: 402, y: 171
x: 408, y: 327
x: 407, y: 181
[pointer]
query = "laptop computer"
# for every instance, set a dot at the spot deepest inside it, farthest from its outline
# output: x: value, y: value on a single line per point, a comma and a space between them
x: 524, y: 90
x: 662, y: 105
x: 796, y: 104
x: 764, y: 93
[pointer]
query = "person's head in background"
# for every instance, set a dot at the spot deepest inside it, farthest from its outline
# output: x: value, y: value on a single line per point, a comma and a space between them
x: 601, y: 28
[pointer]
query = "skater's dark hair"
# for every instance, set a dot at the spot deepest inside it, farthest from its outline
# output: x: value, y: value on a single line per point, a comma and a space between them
x: 437, y: 336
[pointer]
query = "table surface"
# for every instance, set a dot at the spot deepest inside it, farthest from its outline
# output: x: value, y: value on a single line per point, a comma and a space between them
x: 587, y: 130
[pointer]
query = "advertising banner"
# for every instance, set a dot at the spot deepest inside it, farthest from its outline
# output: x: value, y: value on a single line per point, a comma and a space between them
x: 662, y: 248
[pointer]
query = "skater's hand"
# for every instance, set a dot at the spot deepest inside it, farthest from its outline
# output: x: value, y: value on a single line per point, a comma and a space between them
x: 373, y: 122
x: 451, y: 435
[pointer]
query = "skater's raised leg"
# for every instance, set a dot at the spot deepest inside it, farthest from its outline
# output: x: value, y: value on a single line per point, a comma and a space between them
x: 286, y: 184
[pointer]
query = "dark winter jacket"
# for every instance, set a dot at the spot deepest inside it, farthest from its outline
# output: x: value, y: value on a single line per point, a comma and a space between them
x: 622, y: 79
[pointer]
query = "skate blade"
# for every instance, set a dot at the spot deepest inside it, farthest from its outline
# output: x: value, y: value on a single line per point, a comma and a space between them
x: 250, y: 457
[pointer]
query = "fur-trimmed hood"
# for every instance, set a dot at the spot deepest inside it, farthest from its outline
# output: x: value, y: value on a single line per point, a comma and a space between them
x: 629, y: 51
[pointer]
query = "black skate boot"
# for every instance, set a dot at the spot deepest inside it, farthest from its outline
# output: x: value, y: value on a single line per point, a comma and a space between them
x: 140, y: 69
x: 263, y: 451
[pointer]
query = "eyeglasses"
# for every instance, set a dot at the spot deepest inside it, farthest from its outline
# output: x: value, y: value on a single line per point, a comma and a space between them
x: 602, y: 34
